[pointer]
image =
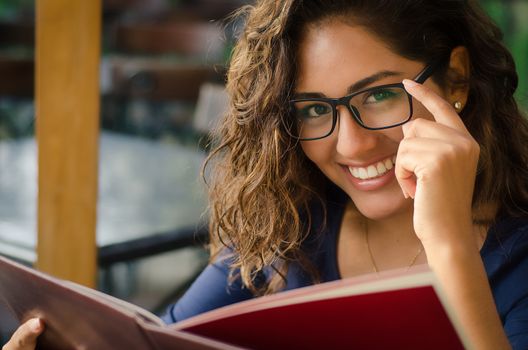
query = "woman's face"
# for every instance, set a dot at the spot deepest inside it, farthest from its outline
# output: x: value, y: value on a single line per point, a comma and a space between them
x: 334, y: 56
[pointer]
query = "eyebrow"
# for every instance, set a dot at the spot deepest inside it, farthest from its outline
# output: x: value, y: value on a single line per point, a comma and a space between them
x: 360, y: 84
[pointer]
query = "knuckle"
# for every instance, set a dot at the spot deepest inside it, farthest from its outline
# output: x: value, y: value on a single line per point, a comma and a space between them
x: 475, y: 147
x: 466, y: 146
x: 21, y: 342
x: 444, y: 106
x: 435, y: 167
x: 471, y: 147
x: 408, y: 127
x: 451, y: 151
x: 477, y: 151
x: 426, y: 93
x: 409, y: 124
x: 419, y: 123
x: 446, y: 156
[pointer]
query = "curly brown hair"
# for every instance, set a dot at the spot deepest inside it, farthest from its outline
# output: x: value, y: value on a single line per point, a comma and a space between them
x: 261, y: 183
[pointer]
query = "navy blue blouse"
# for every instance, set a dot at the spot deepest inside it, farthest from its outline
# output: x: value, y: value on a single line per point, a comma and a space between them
x: 504, y: 253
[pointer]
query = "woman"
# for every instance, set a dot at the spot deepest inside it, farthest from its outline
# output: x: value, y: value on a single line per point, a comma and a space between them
x: 310, y: 186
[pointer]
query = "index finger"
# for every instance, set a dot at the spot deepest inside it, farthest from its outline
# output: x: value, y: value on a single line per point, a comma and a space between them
x: 441, y: 110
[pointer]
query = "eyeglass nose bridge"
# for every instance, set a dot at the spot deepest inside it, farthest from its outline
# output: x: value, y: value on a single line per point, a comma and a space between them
x: 345, y: 101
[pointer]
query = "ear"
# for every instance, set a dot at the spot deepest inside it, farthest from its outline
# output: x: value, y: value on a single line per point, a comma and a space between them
x: 457, y: 78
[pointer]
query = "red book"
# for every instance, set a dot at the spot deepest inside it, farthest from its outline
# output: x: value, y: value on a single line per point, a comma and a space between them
x: 394, y: 310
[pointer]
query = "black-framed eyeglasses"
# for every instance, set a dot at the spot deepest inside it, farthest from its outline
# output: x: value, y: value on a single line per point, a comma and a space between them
x: 376, y: 108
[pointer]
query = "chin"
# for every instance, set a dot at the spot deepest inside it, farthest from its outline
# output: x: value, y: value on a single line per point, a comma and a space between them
x: 376, y: 212
x: 382, y: 205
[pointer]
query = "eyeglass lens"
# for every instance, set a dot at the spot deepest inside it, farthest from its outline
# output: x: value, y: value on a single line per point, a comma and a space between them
x: 375, y: 108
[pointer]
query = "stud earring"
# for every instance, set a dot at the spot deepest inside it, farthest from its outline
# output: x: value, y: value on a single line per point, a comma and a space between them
x: 457, y: 105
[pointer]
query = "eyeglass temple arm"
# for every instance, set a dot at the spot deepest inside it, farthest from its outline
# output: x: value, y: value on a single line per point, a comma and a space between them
x: 427, y: 72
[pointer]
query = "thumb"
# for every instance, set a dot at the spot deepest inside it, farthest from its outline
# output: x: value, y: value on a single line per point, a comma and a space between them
x: 25, y: 337
x: 404, y: 173
x: 407, y: 182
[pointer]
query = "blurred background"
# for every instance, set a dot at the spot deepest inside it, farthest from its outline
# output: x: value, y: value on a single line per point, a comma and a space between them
x: 161, y: 80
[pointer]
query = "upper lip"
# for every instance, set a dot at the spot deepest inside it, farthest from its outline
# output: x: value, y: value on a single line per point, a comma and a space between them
x: 366, y: 164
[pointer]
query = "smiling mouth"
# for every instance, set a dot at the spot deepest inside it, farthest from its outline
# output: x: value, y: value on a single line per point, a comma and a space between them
x: 373, y: 171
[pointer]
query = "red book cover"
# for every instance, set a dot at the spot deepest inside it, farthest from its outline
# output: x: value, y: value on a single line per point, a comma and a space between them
x: 395, y: 310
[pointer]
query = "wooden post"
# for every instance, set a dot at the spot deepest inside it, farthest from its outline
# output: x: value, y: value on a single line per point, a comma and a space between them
x: 68, y: 41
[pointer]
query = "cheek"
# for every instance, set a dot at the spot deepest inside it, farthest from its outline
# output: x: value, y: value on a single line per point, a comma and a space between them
x: 394, y: 135
x: 319, y: 151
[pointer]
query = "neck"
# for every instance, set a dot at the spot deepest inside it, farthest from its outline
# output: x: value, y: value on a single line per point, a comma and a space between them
x: 390, y: 241
x: 394, y: 229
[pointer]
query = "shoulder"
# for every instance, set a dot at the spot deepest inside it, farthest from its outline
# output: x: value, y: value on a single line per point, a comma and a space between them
x: 505, y: 257
x: 506, y: 246
x: 212, y: 289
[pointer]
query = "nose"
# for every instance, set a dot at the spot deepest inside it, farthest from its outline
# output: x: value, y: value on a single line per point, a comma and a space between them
x: 352, y: 139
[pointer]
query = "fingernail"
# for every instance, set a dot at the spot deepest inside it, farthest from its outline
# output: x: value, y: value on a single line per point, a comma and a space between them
x: 409, y: 83
x: 35, y: 325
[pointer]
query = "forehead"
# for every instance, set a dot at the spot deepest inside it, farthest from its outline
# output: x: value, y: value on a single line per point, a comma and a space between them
x: 333, y: 54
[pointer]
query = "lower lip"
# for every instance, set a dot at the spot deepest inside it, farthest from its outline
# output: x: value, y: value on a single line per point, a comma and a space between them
x: 370, y: 184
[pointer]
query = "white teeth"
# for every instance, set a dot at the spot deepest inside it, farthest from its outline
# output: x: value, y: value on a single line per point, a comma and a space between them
x: 388, y: 164
x: 371, y: 171
x: 362, y: 172
x: 374, y: 170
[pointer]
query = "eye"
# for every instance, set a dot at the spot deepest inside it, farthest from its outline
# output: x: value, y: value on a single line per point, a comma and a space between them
x: 381, y: 95
x: 314, y: 110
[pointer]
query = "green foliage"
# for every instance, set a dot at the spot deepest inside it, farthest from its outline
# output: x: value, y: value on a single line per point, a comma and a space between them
x: 511, y: 17
x: 10, y: 9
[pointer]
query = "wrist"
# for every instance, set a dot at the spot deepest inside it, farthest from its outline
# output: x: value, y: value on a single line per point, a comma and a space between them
x: 442, y: 254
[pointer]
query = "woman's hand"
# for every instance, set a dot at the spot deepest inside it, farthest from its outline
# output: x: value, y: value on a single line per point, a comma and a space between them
x: 436, y: 165
x: 25, y: 337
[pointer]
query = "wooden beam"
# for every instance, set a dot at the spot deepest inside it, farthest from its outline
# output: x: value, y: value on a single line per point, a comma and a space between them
x: 68, y: 40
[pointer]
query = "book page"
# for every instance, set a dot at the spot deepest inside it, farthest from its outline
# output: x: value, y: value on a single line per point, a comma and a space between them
x: 369, y: 283
x: 122, y: 305
x: 77, y: 317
